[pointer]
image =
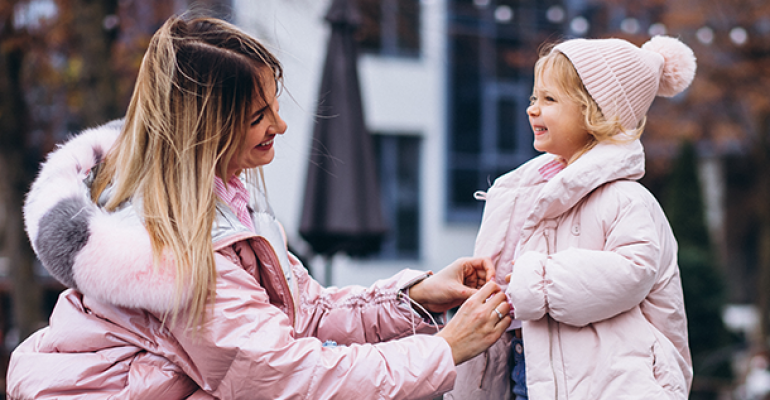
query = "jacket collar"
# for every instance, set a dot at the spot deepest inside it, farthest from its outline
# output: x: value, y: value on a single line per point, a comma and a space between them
x: 605, y: 162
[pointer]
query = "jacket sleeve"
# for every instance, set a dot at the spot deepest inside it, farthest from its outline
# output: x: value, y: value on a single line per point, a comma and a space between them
x: 579, y: 286
x: 357, y: 314
x: 247, y: 348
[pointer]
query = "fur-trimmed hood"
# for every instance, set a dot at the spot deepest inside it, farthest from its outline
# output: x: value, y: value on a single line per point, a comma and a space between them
x: 108, y: 255
x: 105, y: 255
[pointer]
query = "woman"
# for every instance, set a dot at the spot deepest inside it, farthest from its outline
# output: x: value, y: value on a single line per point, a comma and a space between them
x: 180, y: 282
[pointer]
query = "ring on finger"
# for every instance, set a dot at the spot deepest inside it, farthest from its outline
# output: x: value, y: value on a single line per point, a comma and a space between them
x: 499, y: 314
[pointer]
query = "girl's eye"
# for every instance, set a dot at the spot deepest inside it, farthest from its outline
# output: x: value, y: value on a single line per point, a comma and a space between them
x: 532, y: 100
x: 549, y: 98
x: 258, y: 120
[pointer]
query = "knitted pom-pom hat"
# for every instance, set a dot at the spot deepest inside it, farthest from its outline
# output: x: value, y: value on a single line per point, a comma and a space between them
x: 624, y: 79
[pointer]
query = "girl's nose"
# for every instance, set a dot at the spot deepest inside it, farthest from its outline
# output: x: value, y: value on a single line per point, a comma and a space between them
x: 533, y: 110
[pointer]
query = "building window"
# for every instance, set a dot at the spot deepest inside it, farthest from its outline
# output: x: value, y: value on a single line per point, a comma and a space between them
x: 493, y: 47
x: 398, y: 160
x: 390, y: 27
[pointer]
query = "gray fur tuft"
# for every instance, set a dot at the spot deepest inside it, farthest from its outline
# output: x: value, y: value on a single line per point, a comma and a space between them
x: 63, y: 233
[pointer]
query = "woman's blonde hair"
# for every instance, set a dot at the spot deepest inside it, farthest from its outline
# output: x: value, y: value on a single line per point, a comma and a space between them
x: 566, y: 78
x: 187, y: 119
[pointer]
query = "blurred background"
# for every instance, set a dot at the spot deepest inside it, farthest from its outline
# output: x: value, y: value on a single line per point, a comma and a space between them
x: 440, y: 88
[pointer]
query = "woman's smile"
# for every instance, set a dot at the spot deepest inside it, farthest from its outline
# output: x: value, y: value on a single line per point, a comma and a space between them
x: 267, y: 143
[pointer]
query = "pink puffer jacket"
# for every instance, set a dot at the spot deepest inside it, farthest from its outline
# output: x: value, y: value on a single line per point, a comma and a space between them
x: 596, y: 284
x: 263, y: 337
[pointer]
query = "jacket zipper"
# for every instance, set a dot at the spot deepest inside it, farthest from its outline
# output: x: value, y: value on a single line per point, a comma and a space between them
x: 284, y: 282
x: 482, y: 196
x: 289, y: 292
x: 549, y: 251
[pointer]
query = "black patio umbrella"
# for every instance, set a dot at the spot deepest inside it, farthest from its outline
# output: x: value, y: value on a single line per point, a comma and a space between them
x: 342, y: 211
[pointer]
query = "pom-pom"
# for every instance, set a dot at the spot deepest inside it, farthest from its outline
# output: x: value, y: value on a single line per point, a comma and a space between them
x: 678, y: 65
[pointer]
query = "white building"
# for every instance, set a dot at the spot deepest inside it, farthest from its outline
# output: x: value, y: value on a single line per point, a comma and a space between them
x: 451, y: 102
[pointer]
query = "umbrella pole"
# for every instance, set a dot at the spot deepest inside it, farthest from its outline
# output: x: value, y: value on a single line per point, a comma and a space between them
x: 328, y: 271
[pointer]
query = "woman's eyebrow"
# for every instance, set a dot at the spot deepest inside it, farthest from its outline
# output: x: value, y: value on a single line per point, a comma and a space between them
x: 260, y: 111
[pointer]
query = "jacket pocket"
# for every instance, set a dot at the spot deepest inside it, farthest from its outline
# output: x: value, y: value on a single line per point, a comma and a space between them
x: 665, y: 366
x: 487, y: 376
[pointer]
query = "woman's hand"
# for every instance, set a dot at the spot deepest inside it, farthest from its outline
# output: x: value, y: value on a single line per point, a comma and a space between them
x: 481, y: 320
x: 451, y: 286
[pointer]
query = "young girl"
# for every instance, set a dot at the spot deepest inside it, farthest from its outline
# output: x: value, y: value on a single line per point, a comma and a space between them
x: 588, y: 252
x: 181, y: 285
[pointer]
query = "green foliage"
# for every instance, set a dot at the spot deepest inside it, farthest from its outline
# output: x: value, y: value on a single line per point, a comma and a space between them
x: 683, y: 201
x: 704, y: 298
x: 702, y: 281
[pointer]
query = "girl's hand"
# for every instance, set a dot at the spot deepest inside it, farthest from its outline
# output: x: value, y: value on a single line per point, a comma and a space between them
x: 451, y: 286
x: 508, y: 277
x: 481, y: 320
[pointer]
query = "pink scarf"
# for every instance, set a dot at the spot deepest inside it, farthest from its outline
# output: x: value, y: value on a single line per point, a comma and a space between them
x: 236, y: 196
x: 550, y: 169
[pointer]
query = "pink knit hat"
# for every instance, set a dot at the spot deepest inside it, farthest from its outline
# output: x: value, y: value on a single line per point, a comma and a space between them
x: 624, y: 79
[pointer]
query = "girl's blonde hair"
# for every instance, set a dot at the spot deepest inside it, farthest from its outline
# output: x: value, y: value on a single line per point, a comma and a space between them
x: 566, y: 78
x: 188, y: 117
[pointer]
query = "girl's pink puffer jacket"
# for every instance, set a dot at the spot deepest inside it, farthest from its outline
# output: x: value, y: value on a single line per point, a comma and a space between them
x: 595, y: 282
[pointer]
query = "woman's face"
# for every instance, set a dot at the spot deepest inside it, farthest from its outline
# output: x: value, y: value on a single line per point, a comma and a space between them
x: 557, y: 121
x: 264, y: 125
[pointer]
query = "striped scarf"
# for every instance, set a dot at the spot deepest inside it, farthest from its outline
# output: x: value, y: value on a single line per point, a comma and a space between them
x: 235, y: 195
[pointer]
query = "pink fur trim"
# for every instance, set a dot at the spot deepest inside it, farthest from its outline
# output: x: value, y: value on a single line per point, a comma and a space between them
x: 117, y: 266
x: 61, y: 175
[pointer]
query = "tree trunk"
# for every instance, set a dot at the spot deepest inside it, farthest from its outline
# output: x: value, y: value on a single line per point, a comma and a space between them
x: 763, y: 291
x: 24, y: 290
x: 14, y: 181
x: 95, y: 30
x: 762, y: 155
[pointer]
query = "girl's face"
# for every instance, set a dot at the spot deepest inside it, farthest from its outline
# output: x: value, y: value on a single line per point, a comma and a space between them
x: 264, y: 125
x: 556, y: 120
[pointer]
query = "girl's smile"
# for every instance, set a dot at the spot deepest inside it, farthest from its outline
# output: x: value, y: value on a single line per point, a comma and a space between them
x: 556, y: 120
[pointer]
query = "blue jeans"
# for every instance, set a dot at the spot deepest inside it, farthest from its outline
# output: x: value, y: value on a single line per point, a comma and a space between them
x: 518, y: 374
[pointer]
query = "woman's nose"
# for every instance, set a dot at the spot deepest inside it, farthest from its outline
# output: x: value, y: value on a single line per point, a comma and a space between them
x: 279, y: 126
